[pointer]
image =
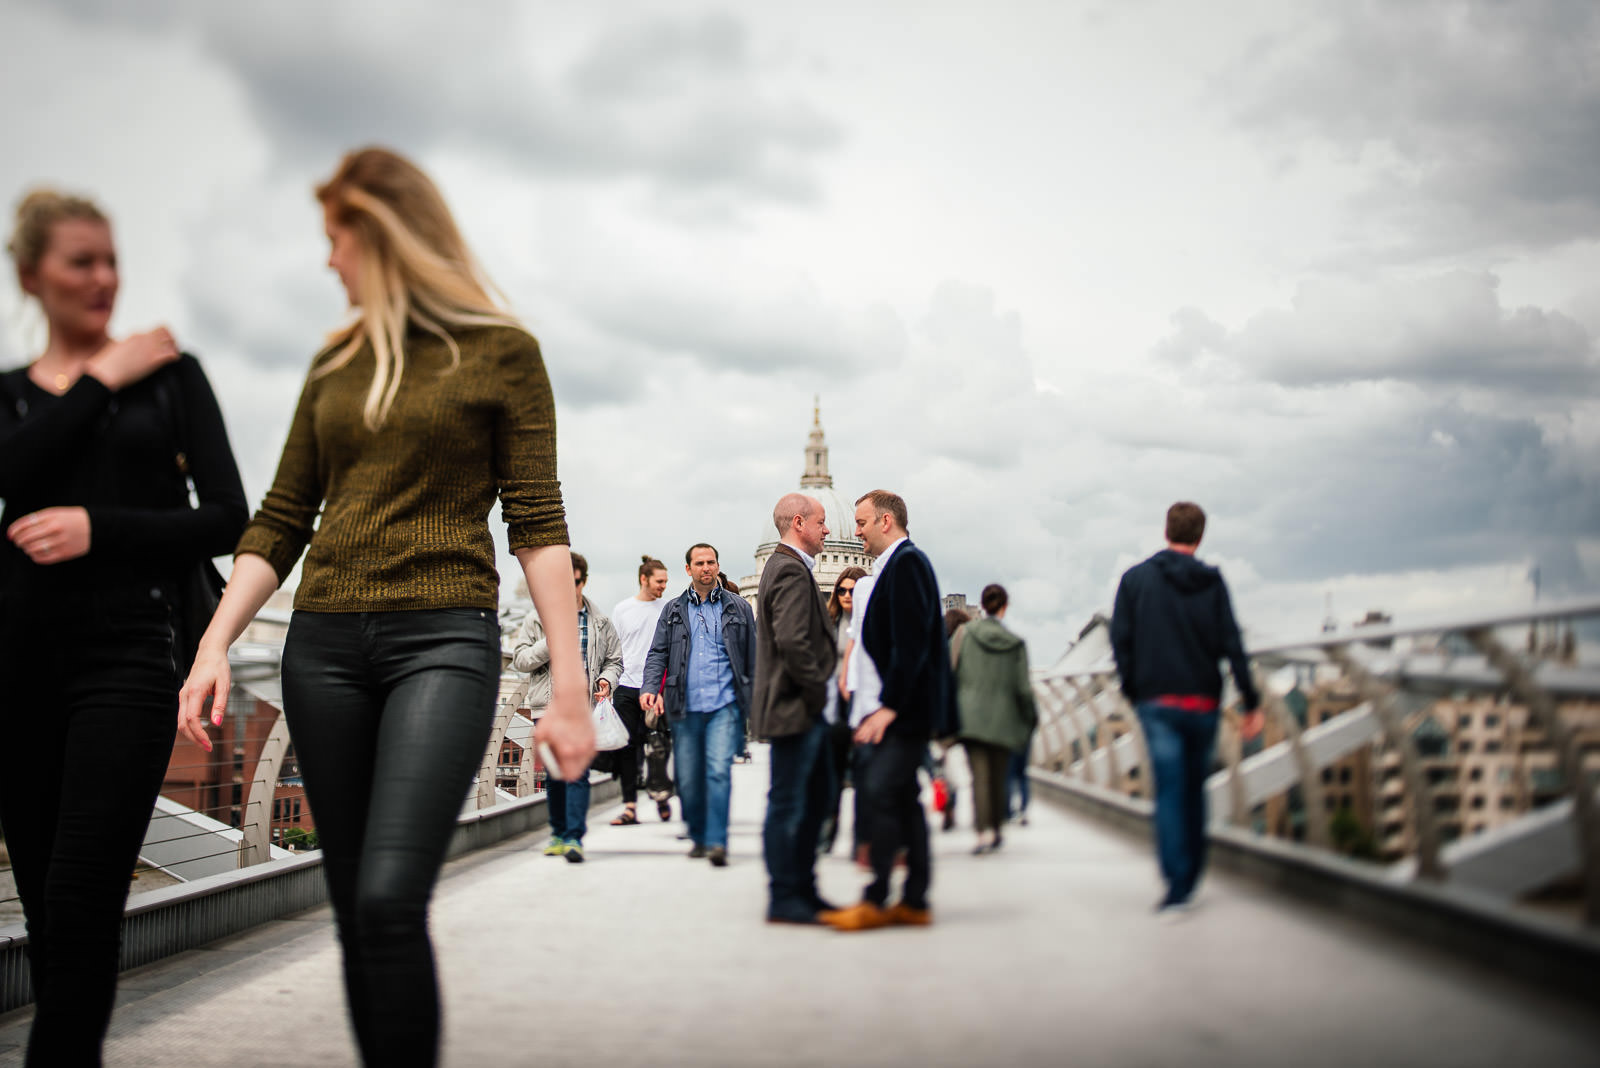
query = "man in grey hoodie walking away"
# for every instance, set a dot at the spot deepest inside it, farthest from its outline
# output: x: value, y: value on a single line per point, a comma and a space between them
x: 1171, y: 624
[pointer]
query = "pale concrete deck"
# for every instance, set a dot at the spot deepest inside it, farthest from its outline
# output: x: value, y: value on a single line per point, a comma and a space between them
x: 1044, y: 955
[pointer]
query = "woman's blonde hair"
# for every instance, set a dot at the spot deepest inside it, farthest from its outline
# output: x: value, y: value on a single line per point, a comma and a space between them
x: 37, y: 215
x: 414, y: 268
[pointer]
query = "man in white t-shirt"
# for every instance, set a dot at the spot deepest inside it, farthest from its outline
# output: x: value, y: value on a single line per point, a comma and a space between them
x: 635, y: 620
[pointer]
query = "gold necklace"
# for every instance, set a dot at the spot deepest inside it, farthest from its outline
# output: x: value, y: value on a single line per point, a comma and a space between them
x: 61, y: 383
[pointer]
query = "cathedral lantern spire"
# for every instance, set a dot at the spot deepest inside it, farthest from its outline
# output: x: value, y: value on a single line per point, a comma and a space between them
x: 816, y: 472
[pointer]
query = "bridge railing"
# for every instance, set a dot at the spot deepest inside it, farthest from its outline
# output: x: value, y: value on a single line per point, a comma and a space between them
x: 1463, y: 751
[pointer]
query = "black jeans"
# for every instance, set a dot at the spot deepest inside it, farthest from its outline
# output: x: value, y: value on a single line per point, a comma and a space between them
x: 895, y: 818
x: 390, y: 714
x: 841, y: 743
x: 89, y: 713
x: 625, y: 761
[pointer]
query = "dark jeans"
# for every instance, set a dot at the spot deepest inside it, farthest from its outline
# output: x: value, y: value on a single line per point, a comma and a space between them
x: 390, y: 714
x: 88, y: 712
x: 988, y: 783
x: 1180, y: 745
x: 1017, y: 785
x: 568, y: 805
x: 841, y: 746
x: 625, y: 761
x: 797, y: 800
x: 895, y: 818
x: 860, y: 758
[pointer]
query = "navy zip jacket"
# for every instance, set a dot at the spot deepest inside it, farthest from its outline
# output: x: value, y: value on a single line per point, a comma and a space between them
x: 1171, y: 624
x: 666, y: 668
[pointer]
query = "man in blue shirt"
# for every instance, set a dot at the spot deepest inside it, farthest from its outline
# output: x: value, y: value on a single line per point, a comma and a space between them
x: 699, y: 672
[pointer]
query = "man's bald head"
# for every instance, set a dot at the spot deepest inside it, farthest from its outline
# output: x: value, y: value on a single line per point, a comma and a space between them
x: 801, y: 522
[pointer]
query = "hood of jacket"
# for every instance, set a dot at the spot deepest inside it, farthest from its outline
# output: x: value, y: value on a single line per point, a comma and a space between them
x: 1184, y: 572
x: 992, y: 635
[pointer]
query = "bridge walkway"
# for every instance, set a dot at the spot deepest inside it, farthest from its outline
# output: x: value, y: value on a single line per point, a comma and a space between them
x: 1045, y: 954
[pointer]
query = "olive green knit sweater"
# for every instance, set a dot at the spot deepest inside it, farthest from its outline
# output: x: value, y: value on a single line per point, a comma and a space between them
x: 404, y: 510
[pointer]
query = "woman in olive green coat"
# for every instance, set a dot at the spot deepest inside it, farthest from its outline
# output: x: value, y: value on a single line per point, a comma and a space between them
x: 997, y: 708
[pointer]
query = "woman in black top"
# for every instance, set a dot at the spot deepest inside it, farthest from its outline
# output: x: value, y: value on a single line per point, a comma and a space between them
x: 99, y: 531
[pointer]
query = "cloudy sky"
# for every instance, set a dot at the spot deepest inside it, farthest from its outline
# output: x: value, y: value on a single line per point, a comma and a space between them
x: 1331, y: 269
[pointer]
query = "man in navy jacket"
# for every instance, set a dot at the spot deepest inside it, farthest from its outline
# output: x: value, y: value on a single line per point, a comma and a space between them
x: 909, y: 688
x: 699, y: 672
x: 1171, y: 625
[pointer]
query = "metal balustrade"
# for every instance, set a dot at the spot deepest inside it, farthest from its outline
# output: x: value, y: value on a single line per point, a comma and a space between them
x: 1398, y: 675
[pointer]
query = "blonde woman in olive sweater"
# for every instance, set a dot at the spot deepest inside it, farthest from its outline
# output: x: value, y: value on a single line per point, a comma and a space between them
x: 428, y: 405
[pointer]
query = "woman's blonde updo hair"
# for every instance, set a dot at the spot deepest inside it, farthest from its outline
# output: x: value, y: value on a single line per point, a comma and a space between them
x: 414, y: 268
x: 37, y: 215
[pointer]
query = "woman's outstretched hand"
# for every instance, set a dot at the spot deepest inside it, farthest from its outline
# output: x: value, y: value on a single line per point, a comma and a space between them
x: 569, y: 732
x: 204, y: 691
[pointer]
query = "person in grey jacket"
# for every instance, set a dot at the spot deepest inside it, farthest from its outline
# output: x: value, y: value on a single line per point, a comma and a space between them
x: 568, y: 802
x: 997, y: 708
x: 700, y: 671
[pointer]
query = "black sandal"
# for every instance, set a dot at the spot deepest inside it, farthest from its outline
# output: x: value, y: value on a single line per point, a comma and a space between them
x: 626, y: 819
x: 664, y: 810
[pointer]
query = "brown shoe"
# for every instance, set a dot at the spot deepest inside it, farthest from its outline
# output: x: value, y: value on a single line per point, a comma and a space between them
x: 903, y: 915
x: 718, y: 857
x: 862, y: 917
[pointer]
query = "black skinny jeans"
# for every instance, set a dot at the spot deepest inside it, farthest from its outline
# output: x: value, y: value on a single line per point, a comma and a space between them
x: 625, y: 761
x: 89, y: 712
x: 390, y: 714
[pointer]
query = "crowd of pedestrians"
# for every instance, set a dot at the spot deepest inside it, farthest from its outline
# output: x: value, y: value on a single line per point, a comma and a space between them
x: 119, y: 486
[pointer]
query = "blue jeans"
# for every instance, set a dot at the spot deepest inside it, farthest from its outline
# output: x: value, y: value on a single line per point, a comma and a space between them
x: 1180, y: 744
x: 703, y: 746
x: 1017, y: 782
x: 568, y: 803
x: 797, y: 801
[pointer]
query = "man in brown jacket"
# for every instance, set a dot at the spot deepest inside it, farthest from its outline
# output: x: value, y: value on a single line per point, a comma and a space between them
x: 795, y: 654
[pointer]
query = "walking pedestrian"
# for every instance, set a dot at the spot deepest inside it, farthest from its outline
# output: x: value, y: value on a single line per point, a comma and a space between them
x: 430, y: 401
x: 1171, y: 624
x: 635, y: 619
x: 995, y: 699
x: 795, y: 658
x: 904, y: 679
x: 100, y: 536
x: 699, y: 673
x: 601, y: 651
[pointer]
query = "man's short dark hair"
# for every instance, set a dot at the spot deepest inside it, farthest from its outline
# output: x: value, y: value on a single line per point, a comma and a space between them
x: 993, y: 598
x: 580, y: 566
x: 688, y: 555
x: 883, y: 501
x: 1186, y: 523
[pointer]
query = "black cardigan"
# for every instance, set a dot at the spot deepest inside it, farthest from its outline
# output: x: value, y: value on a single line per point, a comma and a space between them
x: 113, y: 453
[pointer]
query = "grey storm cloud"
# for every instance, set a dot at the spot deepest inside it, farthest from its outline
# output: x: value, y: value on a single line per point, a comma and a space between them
x: 793, y: 331
x: 1440, y: 487
x: 1445, y: 330
x: 679, y: 102
x: 1488, y: 112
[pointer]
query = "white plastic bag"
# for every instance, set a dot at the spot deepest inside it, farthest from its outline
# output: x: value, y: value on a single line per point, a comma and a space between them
x: 609, y: 732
